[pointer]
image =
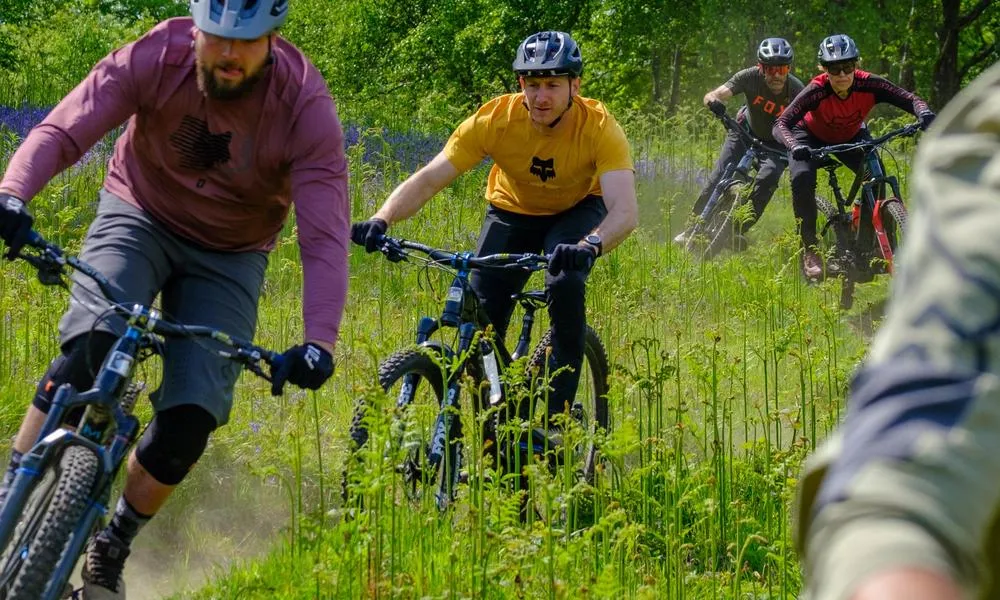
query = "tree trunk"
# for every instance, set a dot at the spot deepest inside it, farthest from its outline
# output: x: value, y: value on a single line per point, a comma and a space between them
x: 947, y: 74
x: 945, y: 84
x: 675, y: 81
x: 657, y: 72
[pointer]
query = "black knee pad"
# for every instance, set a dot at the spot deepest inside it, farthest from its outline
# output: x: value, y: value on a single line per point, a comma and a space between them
x: 174, y: 441
x: 81, y: 358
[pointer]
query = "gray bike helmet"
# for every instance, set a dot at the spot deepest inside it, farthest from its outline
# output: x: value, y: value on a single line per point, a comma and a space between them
x: 837, y: 48
x: 548, y: 53
x: 775, y: 51
x: 239, y: 19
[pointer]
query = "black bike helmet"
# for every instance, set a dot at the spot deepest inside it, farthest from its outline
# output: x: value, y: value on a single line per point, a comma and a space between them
x: 547, y: 54
x: 238, y: 19
x: 837, y: 48
x: 775, y: 51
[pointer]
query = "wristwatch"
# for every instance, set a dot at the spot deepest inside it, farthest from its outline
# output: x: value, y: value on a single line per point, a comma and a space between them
x: 595, y: 240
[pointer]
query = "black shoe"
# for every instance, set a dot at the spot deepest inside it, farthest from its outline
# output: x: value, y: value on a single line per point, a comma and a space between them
x: 102, y: 570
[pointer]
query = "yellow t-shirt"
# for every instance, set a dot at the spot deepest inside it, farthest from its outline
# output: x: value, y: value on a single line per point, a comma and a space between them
x: 535, y: 171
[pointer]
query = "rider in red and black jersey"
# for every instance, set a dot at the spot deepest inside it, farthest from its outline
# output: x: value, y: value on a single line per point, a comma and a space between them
x: 831, y: 110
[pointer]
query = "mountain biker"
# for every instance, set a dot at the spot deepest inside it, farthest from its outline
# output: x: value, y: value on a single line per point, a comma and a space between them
x: 831, y: 110
x: 903, y: 502
x: 228, y: 125
x: 767, y: 89
x: 562, y: 182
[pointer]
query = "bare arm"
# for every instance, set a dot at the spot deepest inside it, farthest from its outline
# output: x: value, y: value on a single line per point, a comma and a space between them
x: 412, y: 194
x: 618, y: 188
x: 721, y: 93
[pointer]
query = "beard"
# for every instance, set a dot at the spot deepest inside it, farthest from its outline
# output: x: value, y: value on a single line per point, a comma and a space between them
x: 223, y: 90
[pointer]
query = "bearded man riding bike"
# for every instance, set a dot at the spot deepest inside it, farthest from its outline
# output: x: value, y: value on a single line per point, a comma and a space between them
x: 832, y: 110
x: 228, y: 125
x: 562, y: 182
x: 767, y: 89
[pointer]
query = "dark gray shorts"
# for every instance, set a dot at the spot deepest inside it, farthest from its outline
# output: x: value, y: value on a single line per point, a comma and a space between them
x: 141, y: 259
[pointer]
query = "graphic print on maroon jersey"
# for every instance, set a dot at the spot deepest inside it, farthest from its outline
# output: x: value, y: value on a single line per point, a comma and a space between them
x: 199, y: 148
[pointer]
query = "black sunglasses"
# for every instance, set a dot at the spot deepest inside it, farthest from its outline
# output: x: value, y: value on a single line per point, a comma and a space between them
x: 841, y: 68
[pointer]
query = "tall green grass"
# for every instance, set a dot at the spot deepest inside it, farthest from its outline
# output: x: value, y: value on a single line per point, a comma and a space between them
x: 725, y: 374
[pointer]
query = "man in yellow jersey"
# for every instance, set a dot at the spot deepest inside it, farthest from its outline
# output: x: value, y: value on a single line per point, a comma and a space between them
x: 562, y: 182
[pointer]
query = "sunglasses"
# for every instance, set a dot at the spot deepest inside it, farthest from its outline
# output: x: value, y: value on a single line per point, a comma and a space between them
x: 841, y: 68
x: 776, y: 69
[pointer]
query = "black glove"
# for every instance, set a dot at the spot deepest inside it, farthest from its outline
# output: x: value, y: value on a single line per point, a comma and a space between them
x: 717, y: 107
x: 306, y: 365
x: 15, y: 224
x: 368, y: 233
x: 571, y: 257
x: 802, y: 152
x: 926, y: 118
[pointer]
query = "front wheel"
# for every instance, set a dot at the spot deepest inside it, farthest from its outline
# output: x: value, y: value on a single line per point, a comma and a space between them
x: 415, y: 378
x: 51, y: 514
x: 722, y: 231
x: 716, y: 232
x: 894, y: 222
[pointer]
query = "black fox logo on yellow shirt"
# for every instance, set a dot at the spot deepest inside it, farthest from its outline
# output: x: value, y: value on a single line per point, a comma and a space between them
x: 543, y: 168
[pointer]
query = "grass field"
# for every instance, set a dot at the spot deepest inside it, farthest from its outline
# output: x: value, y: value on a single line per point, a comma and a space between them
x: 725, y: 374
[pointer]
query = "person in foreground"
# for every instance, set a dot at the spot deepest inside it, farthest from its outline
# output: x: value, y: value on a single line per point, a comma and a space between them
x: 832, y: 110
x: 902, y: 503
x: 562, y: 182
x: 767, y: 89
x: 228, y: 124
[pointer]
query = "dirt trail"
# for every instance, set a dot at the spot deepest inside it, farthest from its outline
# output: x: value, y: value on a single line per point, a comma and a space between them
x: 220, y: 514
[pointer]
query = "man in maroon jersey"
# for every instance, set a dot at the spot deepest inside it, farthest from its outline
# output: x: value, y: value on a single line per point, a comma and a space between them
x: 831, y: 110
x: 228, y: 126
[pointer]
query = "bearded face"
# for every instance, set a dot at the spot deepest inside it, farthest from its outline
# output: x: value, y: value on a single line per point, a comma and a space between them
x: 228, y: 69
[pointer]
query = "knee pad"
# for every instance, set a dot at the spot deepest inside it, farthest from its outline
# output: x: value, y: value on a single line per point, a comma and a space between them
x: 81, y: 358
x: 174, y: 441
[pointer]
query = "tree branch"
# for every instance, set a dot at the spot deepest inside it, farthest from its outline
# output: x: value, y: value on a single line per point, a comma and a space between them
x: 973, y: 14
x: 984, y: 53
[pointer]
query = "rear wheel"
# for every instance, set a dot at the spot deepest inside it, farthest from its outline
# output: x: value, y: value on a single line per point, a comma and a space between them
x: 417, y: 375
x: 51, y: 514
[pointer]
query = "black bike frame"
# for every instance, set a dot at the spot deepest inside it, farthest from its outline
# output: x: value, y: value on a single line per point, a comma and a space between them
x: 870, y: 180
x: 739, y: 170
x: 462, y: 311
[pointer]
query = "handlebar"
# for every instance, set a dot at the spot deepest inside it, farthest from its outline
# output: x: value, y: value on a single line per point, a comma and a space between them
x: 51, y: 263
x: 905, y: 131
x: 732, y: 125
x: 395, y: 250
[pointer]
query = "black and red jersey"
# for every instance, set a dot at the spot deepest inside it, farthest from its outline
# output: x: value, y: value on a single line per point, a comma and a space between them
x: 836, y: 120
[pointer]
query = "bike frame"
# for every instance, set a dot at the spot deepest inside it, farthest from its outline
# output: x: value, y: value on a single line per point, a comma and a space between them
x: 866, y: 197
x: 103, y: 408
x: 740, y: 170
x: 462, y: 311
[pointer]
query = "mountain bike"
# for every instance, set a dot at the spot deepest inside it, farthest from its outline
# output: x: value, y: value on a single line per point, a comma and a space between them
x: 63, y: 486
x: 867, y: 224
x: 427, y: 377
x: 718, y: 226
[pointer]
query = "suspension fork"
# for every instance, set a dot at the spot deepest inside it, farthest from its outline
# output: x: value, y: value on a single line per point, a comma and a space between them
x: 448, y: 425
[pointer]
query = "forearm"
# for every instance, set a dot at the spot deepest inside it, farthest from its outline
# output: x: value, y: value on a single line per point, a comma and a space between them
x: 45, y: 152
x: 412, y: 194
x: 720, y: 94
x: 616, y: 227
x: 406, y: 200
